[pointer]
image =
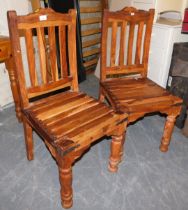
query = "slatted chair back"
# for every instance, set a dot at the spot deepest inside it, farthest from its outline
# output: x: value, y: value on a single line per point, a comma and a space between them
x: 45, y: 35
x: 125, y: 42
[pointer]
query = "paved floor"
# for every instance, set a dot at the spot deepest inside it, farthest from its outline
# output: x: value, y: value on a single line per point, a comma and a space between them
x: 147, y: 179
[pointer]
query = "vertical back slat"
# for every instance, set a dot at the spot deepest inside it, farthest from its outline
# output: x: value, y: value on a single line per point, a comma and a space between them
x: 130, y: 43
x: 113, y: 44
x: 122, y: 43
x: 63, y: 51
x: 31, y: 57
x: 53, y: 53
x: 42, y: 53
x: 139, y: 42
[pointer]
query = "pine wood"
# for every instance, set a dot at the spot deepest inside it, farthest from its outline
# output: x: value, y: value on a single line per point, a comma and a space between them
x: 135, y: 94
x: 5, y: 48
x: 90, y: 42
x: 91, y: 52
x: 6, y: 57
x: 91, y: 62
x: 35, y: 5
x: 68, y: 121
x: 91, y: 32
x: 91, y: 9
x: 93, y: 20
x: 90, y: 20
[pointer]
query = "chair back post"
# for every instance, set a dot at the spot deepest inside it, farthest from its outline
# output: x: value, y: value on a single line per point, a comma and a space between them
x: 103, y: 45
x: 72, y: 50
x: 16, y: 53
x: 50, y: 44
x: 147, y: 41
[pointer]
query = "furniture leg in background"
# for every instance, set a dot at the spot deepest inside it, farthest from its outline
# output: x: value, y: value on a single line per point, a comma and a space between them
x: 6, y: 57
x: 185, y: 128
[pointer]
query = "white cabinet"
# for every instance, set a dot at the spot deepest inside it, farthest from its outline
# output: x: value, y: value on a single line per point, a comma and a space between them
x: 158, y: 5
x: 140, y: 4
x: 162, y: 41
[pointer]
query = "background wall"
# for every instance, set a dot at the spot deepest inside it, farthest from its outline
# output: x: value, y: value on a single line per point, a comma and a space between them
x: 117, y: 5
x: 22, y: 7
x: 161, y: 5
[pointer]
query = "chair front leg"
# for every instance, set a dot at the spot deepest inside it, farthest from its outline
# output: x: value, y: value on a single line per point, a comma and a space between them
x: 65, y: 178
x: 168, y: 129
x: 117, y: 148
x: 101, y: 95
x: 122, y: 146
x: 28, y: 132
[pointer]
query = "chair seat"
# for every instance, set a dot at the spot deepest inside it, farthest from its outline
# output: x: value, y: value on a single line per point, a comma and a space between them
x: 138, y: 95
x: 70, y: 120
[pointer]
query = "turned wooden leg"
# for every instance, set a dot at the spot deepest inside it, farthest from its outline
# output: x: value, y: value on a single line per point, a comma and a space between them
x: 101, y: 98
x: 14, y: 87
x: 116, y: 152
x: 185, y: 128
x: 28, y: 131
x: 101, y: 95
x: 65, y: 178
x: 168, y: 129
x: 122, y: 146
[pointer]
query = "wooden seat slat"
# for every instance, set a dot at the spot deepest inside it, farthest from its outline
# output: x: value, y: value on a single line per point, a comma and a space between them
x: 81, y: 135
x: 58, y: 101
x: 75, y: 122
x: 138, y: 96
x: 135, y: 101
x: 142, y: 92
x: 132, y: 87
x: 70, y: 112
x: 62, y: 108
x: 75, y: 118
x: 85, y: 130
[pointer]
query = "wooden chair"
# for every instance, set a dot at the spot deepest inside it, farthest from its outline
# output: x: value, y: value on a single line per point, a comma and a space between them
x: 68, y: 121
x: 124, y: 62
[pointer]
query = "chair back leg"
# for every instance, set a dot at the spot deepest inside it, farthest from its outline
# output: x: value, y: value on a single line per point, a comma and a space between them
x: 28, y: 132
x: 168, y: 128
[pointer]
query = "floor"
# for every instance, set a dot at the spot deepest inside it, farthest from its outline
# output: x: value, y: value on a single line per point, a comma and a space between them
x: 147, y: 179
